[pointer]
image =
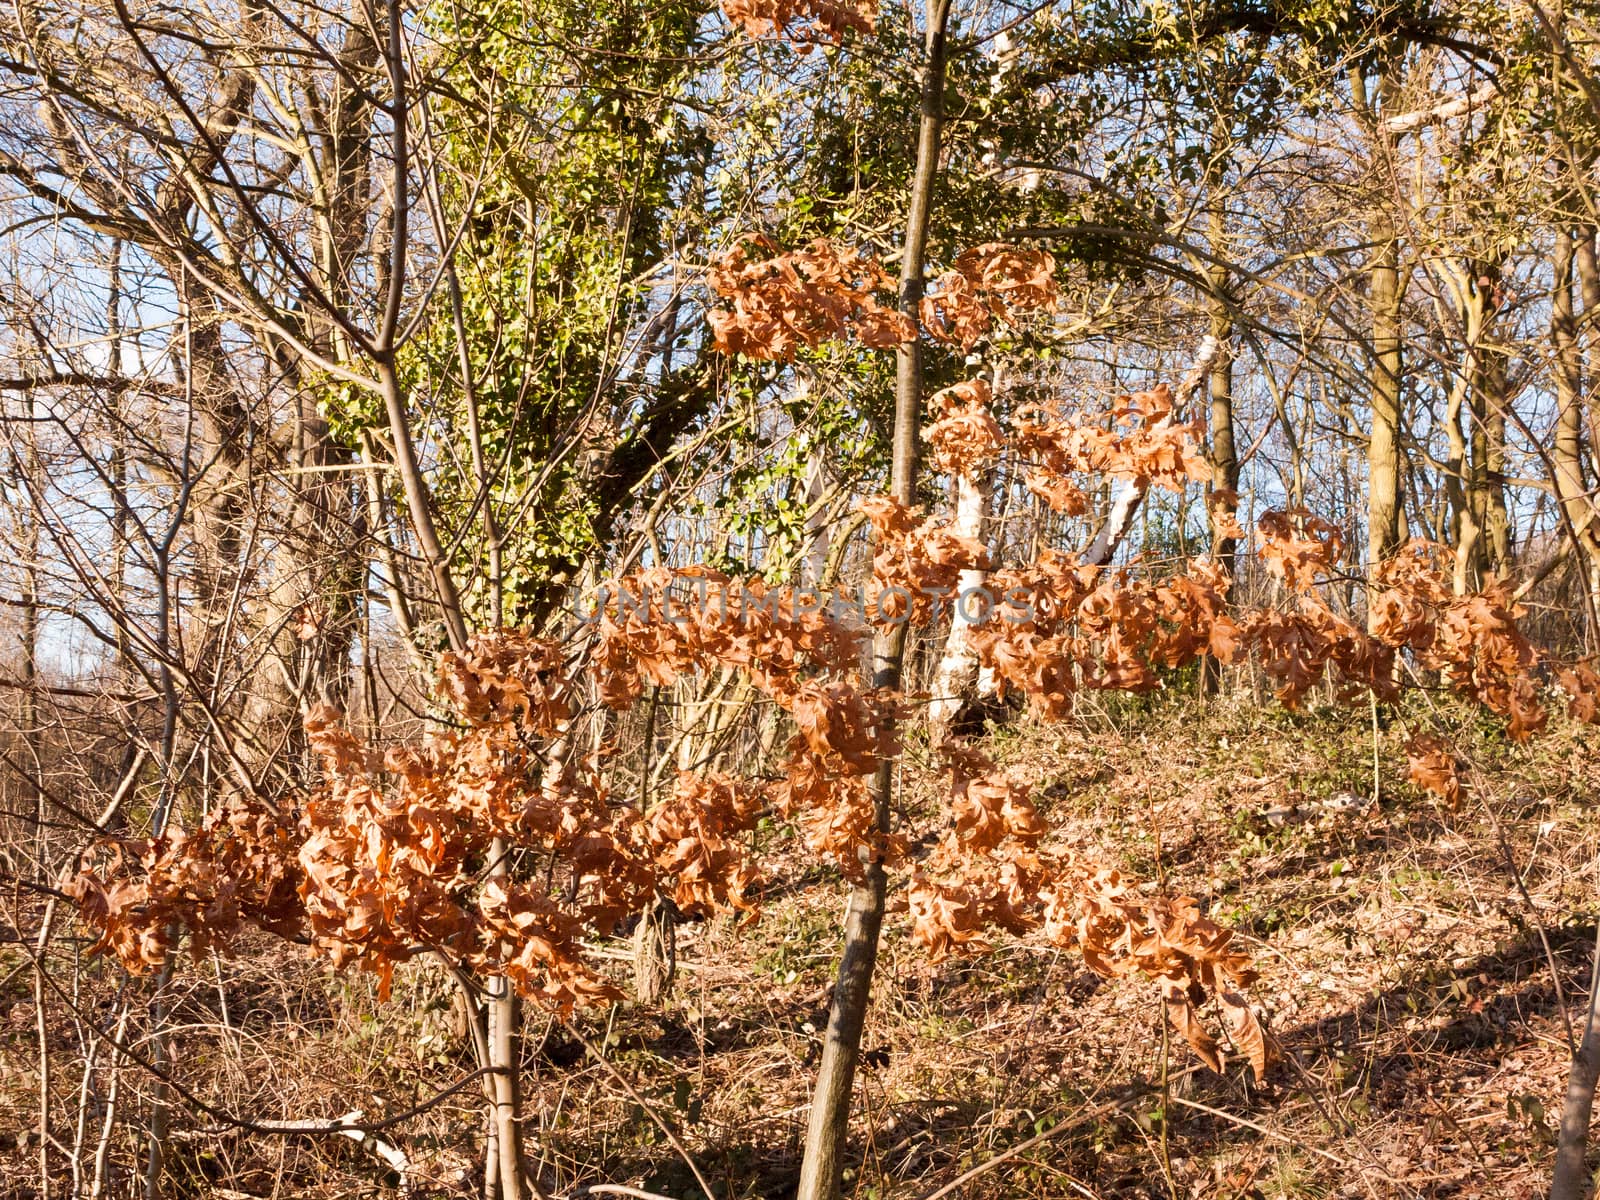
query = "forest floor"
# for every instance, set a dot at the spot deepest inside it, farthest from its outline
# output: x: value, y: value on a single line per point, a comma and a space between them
x: 1405, y: 950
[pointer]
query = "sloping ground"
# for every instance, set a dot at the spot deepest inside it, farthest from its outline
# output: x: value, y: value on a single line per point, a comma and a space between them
x: 1405, y: 951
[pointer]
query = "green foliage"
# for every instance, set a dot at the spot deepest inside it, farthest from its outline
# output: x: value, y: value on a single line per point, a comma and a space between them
x: 576, y: 167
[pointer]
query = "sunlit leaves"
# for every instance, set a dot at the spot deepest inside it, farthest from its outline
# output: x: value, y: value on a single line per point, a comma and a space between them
x: 803, y: 21
x: 801, y: 298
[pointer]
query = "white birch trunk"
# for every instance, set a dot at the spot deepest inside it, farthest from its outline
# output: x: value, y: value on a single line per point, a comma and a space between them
x: 818, y: 543
x: 960, y: 659
x: 1133, y: 490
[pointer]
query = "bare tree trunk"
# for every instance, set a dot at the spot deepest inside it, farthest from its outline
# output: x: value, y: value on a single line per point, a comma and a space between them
x: 1384, y: 472
x: 119, y: 463
x: 503, y: 1062
x: 959, y: 662
x: 1465, y: 477
x: 1497, y: 515
x: 33, y: 790
x: 815, y: 563
x: 1383, y: 453
x: 42, y: 1028
x: 33, y: 793
x: 1570, y: 1180
x: 1567, y: 453
x: 100, y: 1181
x: 419, y: 502
x: 1589, y: 291
x: 822, y: 1168
x: 1464, y: 526
x: 1485, y: 372
x: 1224, y: 453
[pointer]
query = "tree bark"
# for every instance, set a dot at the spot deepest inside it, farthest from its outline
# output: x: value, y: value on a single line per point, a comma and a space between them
x: 1486, y: 374
x: 503, y: 1061
x: 1570, y: 1179
x: 1224, y: 452
x: 1465, y: 479
x: 958, y: 664
x: 822, y: 1168
x: 1385, y: 498
x: 1383, y: 454
x: 1567, y: 452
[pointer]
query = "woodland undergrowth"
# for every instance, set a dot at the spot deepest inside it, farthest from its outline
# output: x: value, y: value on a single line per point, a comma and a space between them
x: 1404, y: 971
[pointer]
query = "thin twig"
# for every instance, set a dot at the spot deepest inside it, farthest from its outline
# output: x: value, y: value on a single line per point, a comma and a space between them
x: 1077, y: 1121
x: 649, y: 1109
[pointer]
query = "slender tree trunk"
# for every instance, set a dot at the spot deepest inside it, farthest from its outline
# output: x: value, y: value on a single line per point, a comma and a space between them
x: 508, y: 1176
x: 1485, y: 370
x: 420, y: 503
x: 1384, y: 472
x: 1575, y: 252
x: 1466, y: 478
x: 1224, y: 452
x: 1589, y: 290
x: 959, y: 663
x: 33, y: 791
x: 100, y: 1182
x: 1464, y: 526
x: 818, y: 543
x: 1567, y: 453
x: 119, y: 463
x: 28, y: 713
x: 1570, y: 1180
x: 1497, y: 515
x: 822, y: 1168
x: 503, y: 1062
x: 1383, y: 454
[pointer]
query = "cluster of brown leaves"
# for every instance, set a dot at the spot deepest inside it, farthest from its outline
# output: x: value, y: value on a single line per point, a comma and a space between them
x: 783, y: 300
x: 1296, y: 643
x: 804, y: 658
x: 511, y: 677
x: 1432, y: 767
x: 660, y: 623
x: 1298, y: 548
x: 1473, y: 639
x: 1138, y: 440
x: 1066, y: 626
x: 803, y: 21
x: 1122, y: 931
x: 238, y: 867
x: 394, y: 855
x: 965, y: 435
x: 984, y: 873
x: 991, y: 871
x: 693, y: 837
x: 918, y: 563
x: 787, y: 300
x: 1222, y: 506
x: 1295, y: 646
x: 398, y: 866
x: 1581, y: 683
x: 988, y: 282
